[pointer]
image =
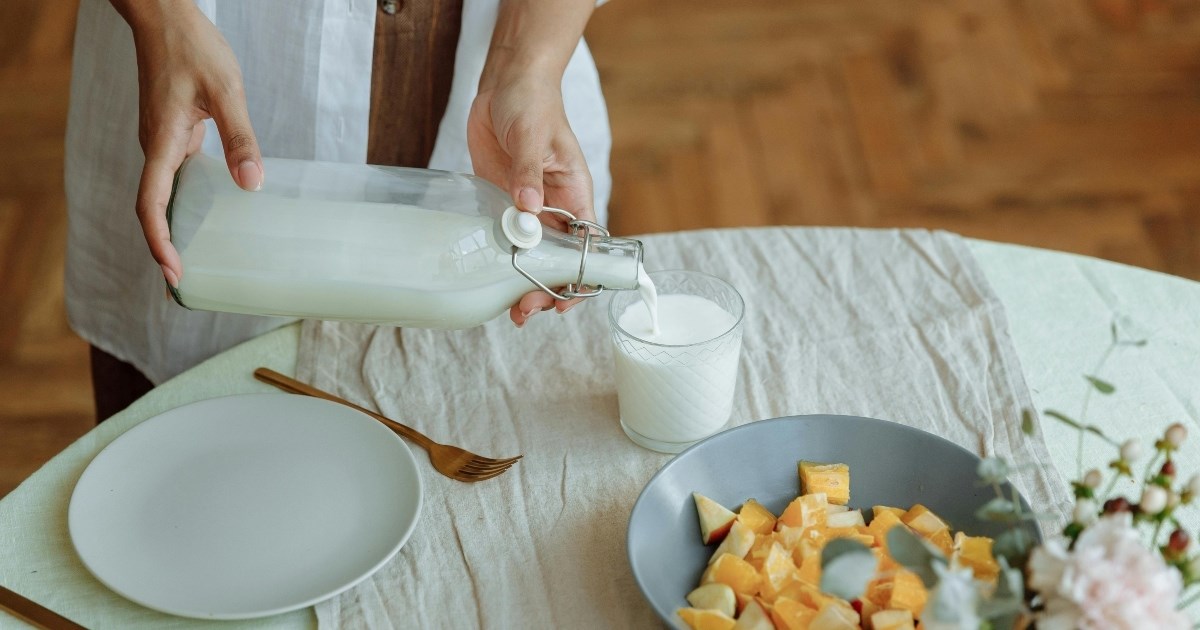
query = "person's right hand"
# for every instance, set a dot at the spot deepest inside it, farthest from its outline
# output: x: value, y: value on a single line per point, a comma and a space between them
x: 186, y: 75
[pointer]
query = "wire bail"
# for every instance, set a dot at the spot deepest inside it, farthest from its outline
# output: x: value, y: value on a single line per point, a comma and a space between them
x: 580, y: 228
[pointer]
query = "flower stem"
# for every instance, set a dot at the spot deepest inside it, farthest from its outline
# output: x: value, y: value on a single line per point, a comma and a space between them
x: 1087, y: 399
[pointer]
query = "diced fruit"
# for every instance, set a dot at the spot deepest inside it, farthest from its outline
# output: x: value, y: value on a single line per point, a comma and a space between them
x: 759, y: 519
x: 735, y: 572
x: 892, y: 620
x: 922, y: 521
x: 868, y: 610
x: 743, y: 600
x: 715, y: 519
x: 849, y: 518
x: 834, y: 509
x: 835, y: 616
x: 789, y: 537
x: 789, y: 614
x: 759, y: 549
x: 976, y: 552
x: 941, y: 539
x: 832, y: 479
x: 699, y: 619
x: 882, y: 524
x: 715, y: 596
x: 812, y: 596
x: 736, y: 543
x: 805, y: 511
x: 754, y: 617
x: 777, y: 572
x: 908, y: 593
x: 810, y: 570
x: 880, y: 509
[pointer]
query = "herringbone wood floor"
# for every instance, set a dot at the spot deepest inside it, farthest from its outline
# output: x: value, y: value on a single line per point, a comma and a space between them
x: 1072, y: 124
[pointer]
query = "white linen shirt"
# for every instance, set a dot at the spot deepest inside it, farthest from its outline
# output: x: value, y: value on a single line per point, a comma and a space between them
x: 306, y: 65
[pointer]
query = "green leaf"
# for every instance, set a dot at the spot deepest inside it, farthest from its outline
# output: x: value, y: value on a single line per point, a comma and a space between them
x: 1090, y: 428
x: 1014, y: 546
x: 1027, y: 426
x: 1007, y: 602
x: 992, y: 470
x: 998, y: 509
x: 915, y: 554
x: 1102, y: 386
x: 846, y: 568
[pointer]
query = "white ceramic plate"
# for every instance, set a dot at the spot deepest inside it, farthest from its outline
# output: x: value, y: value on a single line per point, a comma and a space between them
x: 245, y: 506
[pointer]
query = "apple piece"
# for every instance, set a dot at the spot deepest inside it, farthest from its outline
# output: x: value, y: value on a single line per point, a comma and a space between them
x: 754, y: 617
x: 849, y: 518
x: 715, y: 596
x: 976, y: 552
x: 756, y: 517
x: 737, y: 542
x: 700, y: 619
x: 715, y: 519
x: 892, y: 620
x: 834, y: 509
x: 835, y: 616
x: 922, y: 521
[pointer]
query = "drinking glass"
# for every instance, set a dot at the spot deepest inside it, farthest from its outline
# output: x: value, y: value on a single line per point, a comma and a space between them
x: 671, y: 396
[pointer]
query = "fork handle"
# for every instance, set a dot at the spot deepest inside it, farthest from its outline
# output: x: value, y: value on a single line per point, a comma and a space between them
x: 289, y: 384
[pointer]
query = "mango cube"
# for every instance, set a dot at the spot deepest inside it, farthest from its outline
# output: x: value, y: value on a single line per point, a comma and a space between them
x: 908, y: 593
x: 759, y: 519
x: 735, y: 572
x: 831, y: 479
x: 976, y: 552
x: 702, y: 619
x: 789, y: 614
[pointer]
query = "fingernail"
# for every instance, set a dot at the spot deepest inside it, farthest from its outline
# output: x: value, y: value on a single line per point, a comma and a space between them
x: 530, y: 313
x: 172, y: 279
x: 530, y: 200
x: 569, y: 307
x: 250, y: 175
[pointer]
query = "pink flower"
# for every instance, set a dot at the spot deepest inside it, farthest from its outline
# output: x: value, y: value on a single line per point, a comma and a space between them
x: 1110, y: 580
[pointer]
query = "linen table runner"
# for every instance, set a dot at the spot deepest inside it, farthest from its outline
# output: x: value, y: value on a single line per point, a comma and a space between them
x: 899, y: 325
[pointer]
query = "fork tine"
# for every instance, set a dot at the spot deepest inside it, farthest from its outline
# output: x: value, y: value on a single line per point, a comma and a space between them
x: 469, y: 477
x: 495, y: 462
x: 474, y: 467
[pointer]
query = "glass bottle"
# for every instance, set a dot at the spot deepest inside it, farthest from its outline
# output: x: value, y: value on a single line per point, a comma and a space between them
x: 402, y: 246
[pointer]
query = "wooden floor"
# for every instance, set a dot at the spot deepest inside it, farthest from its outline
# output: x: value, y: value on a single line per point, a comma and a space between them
x: 1072, y: 124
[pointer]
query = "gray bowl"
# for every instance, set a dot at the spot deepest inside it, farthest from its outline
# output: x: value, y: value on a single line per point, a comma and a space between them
x: 890, y: 464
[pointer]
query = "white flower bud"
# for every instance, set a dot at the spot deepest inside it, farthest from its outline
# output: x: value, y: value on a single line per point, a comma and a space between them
x: 1176, y: 434
x: 1093, y: 478
x: 1085, y: 512
x: 1131, y: 450
x: 1154, y: 500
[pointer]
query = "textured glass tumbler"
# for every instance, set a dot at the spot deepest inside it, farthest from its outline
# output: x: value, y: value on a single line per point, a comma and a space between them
x: 672, y: 396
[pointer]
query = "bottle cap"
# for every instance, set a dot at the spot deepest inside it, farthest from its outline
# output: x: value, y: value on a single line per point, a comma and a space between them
x: 521, y: 228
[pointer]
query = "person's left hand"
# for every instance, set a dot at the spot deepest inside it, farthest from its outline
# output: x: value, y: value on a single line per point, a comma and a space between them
x: 520, y: 140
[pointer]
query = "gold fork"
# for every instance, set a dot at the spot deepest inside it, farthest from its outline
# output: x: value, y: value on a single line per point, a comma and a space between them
x: 452, y: 461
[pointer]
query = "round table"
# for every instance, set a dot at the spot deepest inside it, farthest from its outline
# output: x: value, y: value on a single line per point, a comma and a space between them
x: 1060, y: 308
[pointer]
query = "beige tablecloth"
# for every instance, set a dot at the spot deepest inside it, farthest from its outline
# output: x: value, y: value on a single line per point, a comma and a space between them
x: 899, y: 325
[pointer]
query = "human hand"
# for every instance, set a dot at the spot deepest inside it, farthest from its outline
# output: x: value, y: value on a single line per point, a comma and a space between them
x: 186, y: 75
x: 520, y: 140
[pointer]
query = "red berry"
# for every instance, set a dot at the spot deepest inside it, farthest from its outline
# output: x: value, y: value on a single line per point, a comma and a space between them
x: 1168, y: 468
x: 1179, y: 541
x: 857, y: 605
x: 1117, y: 505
